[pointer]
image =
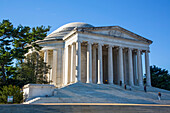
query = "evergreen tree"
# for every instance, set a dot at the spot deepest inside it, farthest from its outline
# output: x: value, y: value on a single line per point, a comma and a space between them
x: 14, y: 44
x: 10, y: 90
x: 6, y: 51
x: 25, y: 38
x: 160, y: 77
x: 33, y: 70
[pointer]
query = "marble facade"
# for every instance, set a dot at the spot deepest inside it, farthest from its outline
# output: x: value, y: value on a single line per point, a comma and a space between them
x: 80, y: 52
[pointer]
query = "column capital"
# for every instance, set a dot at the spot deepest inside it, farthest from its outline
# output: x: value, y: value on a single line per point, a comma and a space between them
x: 73, y: 43
x: 80, y: 41
x: 147, y: 51
x: 90, y: 43
x: 95, y: 45
x: 111, y: 46
x: 70, y: 45
x: 131, y: 49
x: 108, y: 46
x: 139, y: 50
x: 56, y: 49
x: 120, y: 47
x: 101, y: 44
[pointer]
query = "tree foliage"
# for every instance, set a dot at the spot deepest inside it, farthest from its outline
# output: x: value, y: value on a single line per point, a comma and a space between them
x: 25, y: 38
x: 32, y: 70
x: 6, y: 51
x: 160, y: 77
x: 10, y: 90
x: 14, y: 44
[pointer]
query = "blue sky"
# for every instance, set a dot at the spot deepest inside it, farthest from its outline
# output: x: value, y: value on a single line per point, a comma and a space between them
x: 148, y: 18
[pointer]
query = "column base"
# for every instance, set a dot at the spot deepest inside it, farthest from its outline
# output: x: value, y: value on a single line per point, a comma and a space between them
x: 140, y: 84
x: 99, y: 83
x: 89, y: 82
x: 149, y: 85
x: 110, y: 83
x: 131, y: 84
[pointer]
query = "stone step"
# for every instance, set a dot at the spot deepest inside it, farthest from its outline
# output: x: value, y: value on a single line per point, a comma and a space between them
x: 105, y: 93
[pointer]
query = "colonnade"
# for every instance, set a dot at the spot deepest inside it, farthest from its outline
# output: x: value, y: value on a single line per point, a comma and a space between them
x: 75, y: 63
x: 67, y: 67
x: 53, y: 57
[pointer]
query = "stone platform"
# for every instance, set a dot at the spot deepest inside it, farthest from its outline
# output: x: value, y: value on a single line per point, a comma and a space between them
x: 94, y: 93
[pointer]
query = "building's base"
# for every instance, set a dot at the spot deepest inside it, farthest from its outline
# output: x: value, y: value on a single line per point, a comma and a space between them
x: 104, y: 93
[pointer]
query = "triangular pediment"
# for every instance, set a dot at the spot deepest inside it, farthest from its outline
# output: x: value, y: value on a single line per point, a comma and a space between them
x: 116, y: 31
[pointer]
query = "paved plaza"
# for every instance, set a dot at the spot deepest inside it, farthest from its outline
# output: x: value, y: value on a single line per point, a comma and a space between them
x: 83, y: 109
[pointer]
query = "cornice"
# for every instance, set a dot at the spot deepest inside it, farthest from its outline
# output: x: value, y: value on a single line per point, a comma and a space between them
x: 49, y: 41
x: 103, y: 35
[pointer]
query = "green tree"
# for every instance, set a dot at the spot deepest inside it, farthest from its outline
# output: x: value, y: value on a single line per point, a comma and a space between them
x: 160, y: 77
x: 10, y: 90
x: 6, y: 51
x: 32, y: 70
x: 14, y: 44
x: 25, y: 38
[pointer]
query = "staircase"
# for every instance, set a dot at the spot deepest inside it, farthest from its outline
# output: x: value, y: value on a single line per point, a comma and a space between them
x: 104, y: 93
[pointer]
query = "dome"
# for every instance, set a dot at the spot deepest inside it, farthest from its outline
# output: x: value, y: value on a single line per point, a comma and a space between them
x: 65, y: 29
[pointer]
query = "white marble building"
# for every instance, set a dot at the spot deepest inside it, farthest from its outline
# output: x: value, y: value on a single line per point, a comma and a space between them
x: 80, y: 52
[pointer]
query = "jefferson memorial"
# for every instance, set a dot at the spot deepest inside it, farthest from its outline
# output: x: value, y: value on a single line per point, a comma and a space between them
x: 80, y: 52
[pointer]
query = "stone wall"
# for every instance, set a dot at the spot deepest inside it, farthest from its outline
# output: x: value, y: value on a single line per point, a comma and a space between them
x: 31, y: 91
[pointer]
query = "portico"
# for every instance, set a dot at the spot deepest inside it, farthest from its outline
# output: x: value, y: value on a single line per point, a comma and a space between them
x: 79, y: 52
x: 89, y: 75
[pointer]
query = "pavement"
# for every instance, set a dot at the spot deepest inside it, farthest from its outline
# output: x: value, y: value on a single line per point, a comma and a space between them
x: 84, y: 108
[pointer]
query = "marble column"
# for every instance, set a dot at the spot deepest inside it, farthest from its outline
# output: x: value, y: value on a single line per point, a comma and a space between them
x: 54, y: 67
x: 78, y: 61
x: 110, y: 65
x: 71, y: 73
x: 46, y: 60
x: 135, y: 72
x: 130, y: 65
x: 139, y: 67
x: 89, y: 63
x: 45, y: 56
x: 72, y: 63
x: 121, y: 73
x: 69, y: 64
x: 94, y: 64
x: 50, y: 62
x: 147, y: 68
x: 59, y: 67
x: 100, y: 66
x: 66, y: 66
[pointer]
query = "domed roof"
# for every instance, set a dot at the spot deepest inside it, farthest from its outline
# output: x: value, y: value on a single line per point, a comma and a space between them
x: 65, y: 29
